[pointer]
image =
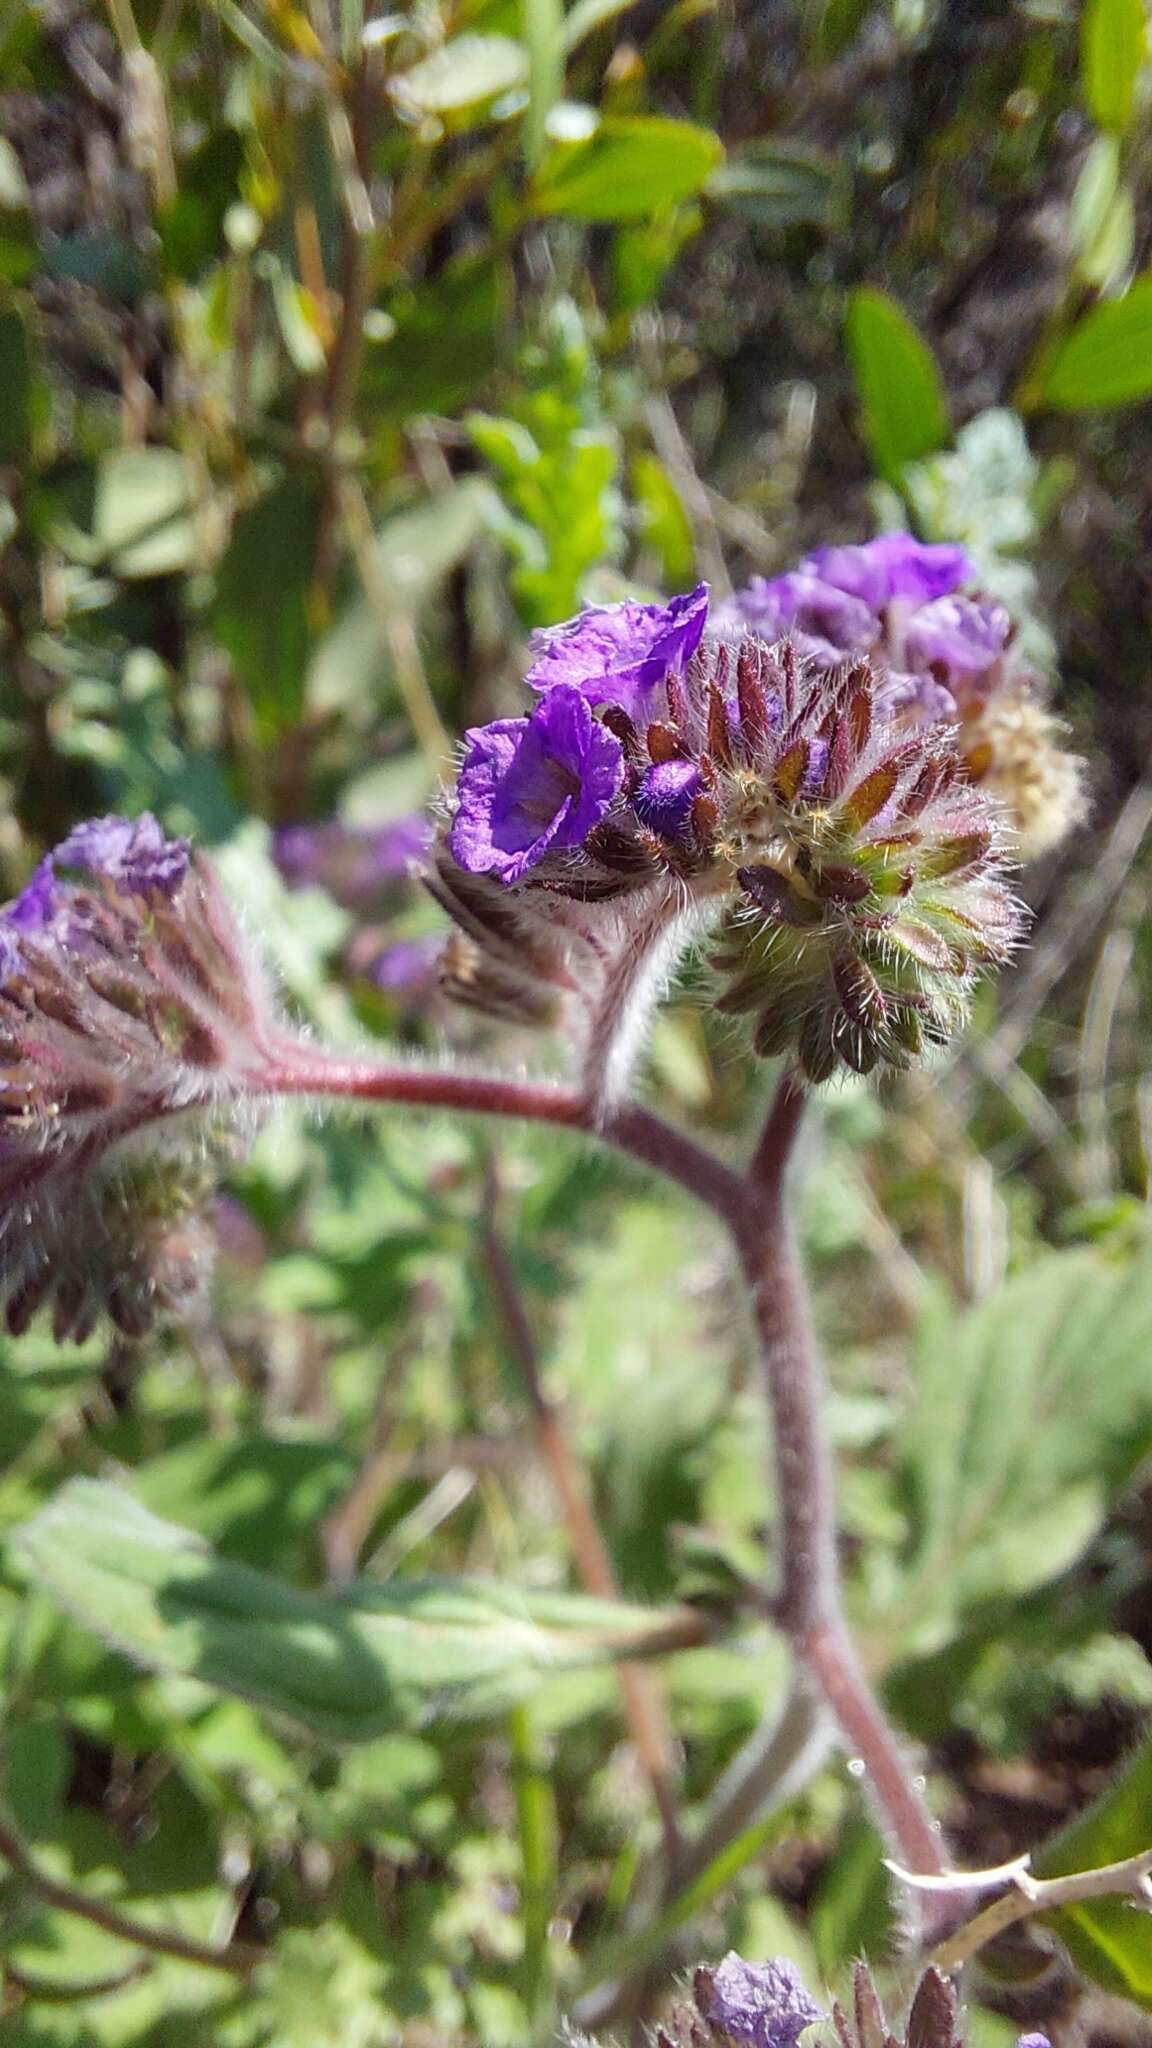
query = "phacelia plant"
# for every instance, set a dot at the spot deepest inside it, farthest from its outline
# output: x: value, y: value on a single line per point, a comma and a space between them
x: 816, y: 815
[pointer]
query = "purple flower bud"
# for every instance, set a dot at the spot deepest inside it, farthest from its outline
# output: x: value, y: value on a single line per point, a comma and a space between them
x: 961, y: 634
x: 829, y: 625
x: 37, y: 902
x: 137, y: 1032
x: 533, y: 786
x: 130, y: 853
x: 407, y: 969
x: 356, y: 864
x: 894, y: 565
x: 765, y: 2004
x: 618, y: 654
x: 664, y: 799
x: 1033, y: 2041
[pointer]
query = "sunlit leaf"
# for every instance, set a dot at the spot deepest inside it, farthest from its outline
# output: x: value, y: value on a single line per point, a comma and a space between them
x: 1111, y: 1942
x: 902, y: 398
x: 464, y: 72
x: 347, y: 1665
x: 630, y: 166
x: 1113, y: 43
x: 1107, y: 358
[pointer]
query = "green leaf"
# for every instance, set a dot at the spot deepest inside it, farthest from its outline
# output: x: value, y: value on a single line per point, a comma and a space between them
x: 1031, y: 1412
x: 191, y: 226
x: 1113, y: 41
x: 1111, y: 1943
x: 465, y: 72
x: 1107, y: 358
x: 902, y: 398
x: 346, y: 1666
x: 444, y: 343
x: 139, y: 521
x: 630, y: 166
x: 777, y: 185
x: 260, y: 613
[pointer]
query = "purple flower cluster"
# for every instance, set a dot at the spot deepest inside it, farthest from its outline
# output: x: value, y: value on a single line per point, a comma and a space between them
x: 897, y: 600
x: 537, y: 785
x: 786, y: 785
x: 358, y: 865
x: 130, y: 1009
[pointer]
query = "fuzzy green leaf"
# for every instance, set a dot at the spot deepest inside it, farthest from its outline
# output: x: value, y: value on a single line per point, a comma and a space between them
x: 347, y: 1665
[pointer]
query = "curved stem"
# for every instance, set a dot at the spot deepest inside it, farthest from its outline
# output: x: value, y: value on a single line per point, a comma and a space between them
x: 752, y: 1207
x: 808, y: 1603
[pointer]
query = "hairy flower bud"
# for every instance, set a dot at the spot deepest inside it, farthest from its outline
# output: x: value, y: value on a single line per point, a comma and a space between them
x: 136, y: 1033
x: 737, y: 2004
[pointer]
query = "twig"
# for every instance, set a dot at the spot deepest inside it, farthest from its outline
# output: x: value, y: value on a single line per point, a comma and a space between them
x: 237, y: 1958
x: 1033, y: 1895
x: 642, y: 1702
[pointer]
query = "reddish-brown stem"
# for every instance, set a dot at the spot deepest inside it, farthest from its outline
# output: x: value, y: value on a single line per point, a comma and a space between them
x: 642, y: 1703
x: 752, y: 1208
x: 808, y: 1604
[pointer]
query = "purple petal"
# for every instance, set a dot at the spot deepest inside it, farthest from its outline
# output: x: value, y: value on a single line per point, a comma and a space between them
x: 617, y: 654
x: 132, y: 853
x: 963, y: 634
x: 531, y: 784
x: 38, y: 901
x: 763, y: 2003
x: 894, y: 565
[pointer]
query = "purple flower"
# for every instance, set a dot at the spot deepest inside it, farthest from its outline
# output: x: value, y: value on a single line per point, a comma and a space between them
x: 664, y: 799
x: 38, y: 901
x: 617, y: 654
x: 763, y: 2003
x: 828, y: 624
x: 407, y: 968
x: 962, y: 634
x: 894, y: 565
x: 131, y: 853
x: 354, y: 863
x: 531, y: 786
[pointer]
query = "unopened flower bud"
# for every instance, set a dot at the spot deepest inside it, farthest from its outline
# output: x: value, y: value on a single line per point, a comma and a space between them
x: 137, y: 1032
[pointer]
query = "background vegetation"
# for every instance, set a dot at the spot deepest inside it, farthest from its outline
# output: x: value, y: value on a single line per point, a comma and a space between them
x: 337, y: 350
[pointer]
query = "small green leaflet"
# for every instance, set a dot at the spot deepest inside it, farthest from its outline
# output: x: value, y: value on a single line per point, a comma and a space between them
x: 902, y: 397
x: 627, y: 169
x: 1107, y: 358
x: 346, y: 1665
x: 1110, y: 1941
x: 1113, y: 45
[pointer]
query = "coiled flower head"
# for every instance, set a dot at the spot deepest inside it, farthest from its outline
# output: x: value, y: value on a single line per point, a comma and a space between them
x: 136, y: 1031
x: 855, y: 873
x: 947, y: 653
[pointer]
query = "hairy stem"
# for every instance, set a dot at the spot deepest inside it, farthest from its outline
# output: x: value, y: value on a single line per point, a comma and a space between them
x: 808, y: 1602
x: 752, y: 1207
